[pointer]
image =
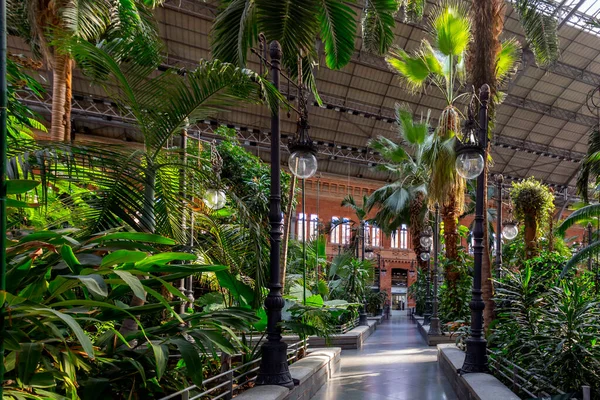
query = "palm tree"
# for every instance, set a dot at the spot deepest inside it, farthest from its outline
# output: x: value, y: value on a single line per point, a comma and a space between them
x: 142, y: 188
x: 404, y: 199
x: 444, y: 66
x: 45, y: 24
x: 299, y: 25
x: 358, y: 225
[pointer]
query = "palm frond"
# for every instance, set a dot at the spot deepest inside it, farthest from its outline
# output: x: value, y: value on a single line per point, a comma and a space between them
x: 583, y: 215
x: 589, y: 251
x: 590, y: 166
x: 234, y: 31
x: 338, y: 30
x: 413, y: 10
x: 451, y: 28
x: 378, y: 25
x: 412, y: 70
x: 541, y: 31
x: 507, y: 61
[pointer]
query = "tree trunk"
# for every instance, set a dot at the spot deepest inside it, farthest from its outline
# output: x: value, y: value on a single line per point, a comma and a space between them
x: 488, y: 23
x: 286, y: 232
x: 62, y: 74
x: 416, y: 226
x: 530, y: 237
x: 487, y: 285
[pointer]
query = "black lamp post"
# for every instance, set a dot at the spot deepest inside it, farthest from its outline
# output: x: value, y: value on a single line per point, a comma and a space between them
x: 470, y: 163
x: 425, y: 255
x: 274, y: 365
x: 434, y: 327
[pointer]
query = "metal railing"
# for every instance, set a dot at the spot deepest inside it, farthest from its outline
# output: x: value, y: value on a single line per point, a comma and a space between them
x: 523, y: 382
x: 344, y: 328
x: 227, y: 384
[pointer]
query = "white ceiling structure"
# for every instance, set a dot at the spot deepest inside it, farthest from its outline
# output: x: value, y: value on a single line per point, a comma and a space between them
x: 541, y: 129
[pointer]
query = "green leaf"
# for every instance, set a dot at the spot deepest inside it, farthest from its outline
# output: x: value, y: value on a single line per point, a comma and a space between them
x: 28, y: 360
x: 19, y: 204
x: 20, y: 186
x: 261, y: 324
x: 67, y: 254
x: 191, y: 356
x: 84, y: 340
x: 378, y: 25
x: 165, y: 258
x: 133, y: 282
x: 161, y: 356
x: 123, y: 256
x: 136, y: 237
x: 338, y: 30
x: 41, y: 236
x: 94, y: 283
x: 413, y: 70
x: 239, y: 290
x: 452, y: 28
x: 188, y: 269
x: 314, y: 301
x: 541, y: 31
x: 163, y: 301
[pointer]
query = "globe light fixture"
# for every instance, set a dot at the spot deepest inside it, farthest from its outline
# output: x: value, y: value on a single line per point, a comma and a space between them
x: 510, y: 230
x: 303, y: 158
x: 469, y: 165
x: 215, y: 199
x: 425, y: 241
x: 303, y: 164
x: 425, y: 256
x: 369, y: 253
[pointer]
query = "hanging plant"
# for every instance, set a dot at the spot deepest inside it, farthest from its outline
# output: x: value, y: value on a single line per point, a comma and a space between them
x: 533, y: 205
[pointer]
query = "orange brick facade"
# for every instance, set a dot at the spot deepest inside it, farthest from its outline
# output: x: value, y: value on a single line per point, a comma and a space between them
x: 397, y: 266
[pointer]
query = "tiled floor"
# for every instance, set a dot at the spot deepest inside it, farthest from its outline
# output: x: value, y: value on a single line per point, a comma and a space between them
x: 394, y: 363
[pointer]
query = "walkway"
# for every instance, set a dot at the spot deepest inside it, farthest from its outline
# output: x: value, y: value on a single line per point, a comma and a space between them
x: 394, y: 363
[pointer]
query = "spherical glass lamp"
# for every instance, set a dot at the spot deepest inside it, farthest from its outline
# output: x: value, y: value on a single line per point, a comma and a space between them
x: 303, y: 164
x: 469, y: 164
x: 424, y: 256
x: 510, y: 230
x: 215, y: 199
x: 425, y: 241
x: 369, y: 253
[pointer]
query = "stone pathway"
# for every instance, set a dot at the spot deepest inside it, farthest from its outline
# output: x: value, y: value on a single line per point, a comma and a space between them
x: 394, y: 363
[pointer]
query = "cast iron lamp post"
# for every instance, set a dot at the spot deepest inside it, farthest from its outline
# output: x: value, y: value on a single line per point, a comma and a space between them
x: 470, y: 163
x: 434, y: 326
x: 499, y: 230
x: 425, y: 255
x: 274, y: 368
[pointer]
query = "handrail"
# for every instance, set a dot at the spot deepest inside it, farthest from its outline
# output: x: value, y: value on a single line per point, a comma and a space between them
x: 232, y: 381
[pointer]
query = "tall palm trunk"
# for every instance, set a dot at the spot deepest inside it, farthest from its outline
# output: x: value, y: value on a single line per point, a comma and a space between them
x: 416, y: 226
x: 286, y: 232
x: 62, y: 77
x: 488, y: 23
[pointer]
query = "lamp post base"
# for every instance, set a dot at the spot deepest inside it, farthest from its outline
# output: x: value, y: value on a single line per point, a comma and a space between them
x: 274, y: 368
x: 476, y: 359
x: 426, y: 318
x: 434, y: 327
x: 362, y: 319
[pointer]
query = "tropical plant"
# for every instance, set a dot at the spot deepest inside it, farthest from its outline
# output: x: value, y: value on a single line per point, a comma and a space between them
x: 548, y: 326
x: 46, y: 24
x: 375, y: 301
x: 68, y: 333
x: 418, y: 291
x: 349, y: 278
x: 590, y: 166
x: 405, y: 199
x: 297, y: 26
x: 358, y: 224
x: 20, y: 118
x: 455, y: 295
x: 143, y: 188
x: 533, y: 204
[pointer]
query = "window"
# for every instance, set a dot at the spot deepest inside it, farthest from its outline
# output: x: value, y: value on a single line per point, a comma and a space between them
x: 367, y: 233
x: 376, y: 237
x: 313, y: 227
x: 335, y: 230
x: 345, y: 231
x: 301, y: 231
x: 395, y: 239
x: 403, y: 237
